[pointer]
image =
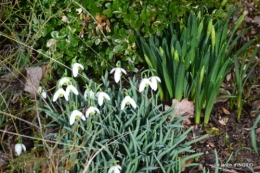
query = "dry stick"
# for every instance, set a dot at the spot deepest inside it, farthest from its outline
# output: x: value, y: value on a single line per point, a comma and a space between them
x: 19, y: 119
x: 21, y: 43
x: 17, y: 134
x: 88, y: 162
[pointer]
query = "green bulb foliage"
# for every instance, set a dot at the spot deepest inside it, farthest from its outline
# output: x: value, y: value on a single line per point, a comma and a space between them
x: 193, y: 58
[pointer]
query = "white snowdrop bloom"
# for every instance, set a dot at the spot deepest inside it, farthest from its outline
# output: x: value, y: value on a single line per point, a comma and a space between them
x: 64, y: 81
x: 19, y: 148
x: 118, y: 72
x: 144, y: 83
x: 60, y: 93
x: 76, y: 114
x: 91, y: 111
x: 89, y: 93
x: 101, y: 96
x: 75, y: 68
x: 127, y: 101
x: 42, y: 92
x: 114, y: 169
x: 154, y: 80
x: 71, y: 88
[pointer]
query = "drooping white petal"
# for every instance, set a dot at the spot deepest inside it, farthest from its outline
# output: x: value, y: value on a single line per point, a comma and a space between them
x: 76, y: 114
x: 118, y: 72
x: 92, y: 110
x: 19, y: 148
x: 127, y: 101
x: 71, y: 88
x: 42, y: 92
x: 60, y: 93
x: 101, y: 96
x: 64, y: 81
x: 114, y: 169
x: 89, y: 93
x: 154, y: 80
x: 75, y: 68
x: 144, y: 82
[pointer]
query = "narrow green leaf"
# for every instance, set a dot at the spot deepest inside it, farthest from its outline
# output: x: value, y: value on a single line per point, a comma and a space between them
x: 239, y: 21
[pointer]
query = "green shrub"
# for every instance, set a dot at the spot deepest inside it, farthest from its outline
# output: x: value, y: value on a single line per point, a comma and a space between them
x: 100, y: 35
x: 193, y: 60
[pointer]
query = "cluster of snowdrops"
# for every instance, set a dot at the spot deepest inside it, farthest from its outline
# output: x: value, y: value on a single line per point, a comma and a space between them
x: 77, y: 115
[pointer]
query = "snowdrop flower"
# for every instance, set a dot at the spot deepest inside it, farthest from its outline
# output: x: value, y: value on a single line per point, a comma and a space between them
x: 76, y: 114
x: 89, y: 93
x: 64, y: 81
x: 144, y: 83
x: 91, y: 111
x: 19, y: 148
x: 114, y: 169
x: 60, y: 93
x: 154, y: 80
x: 128, y: 100
x: 118, y: 72
x: 75, y: 69
x: 71, y: 88
x: 101, y: 96
x: 42, y: 92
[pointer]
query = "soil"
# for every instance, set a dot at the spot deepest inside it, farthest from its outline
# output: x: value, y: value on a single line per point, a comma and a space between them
x: 231, y: 141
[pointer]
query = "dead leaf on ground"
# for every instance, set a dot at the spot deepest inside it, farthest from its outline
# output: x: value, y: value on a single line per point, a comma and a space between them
x: 222, y: 122
x: 34, y: 76
x: 224, y: 152
x: 257, y: 20
x: 225, y: 111
x: 255, y: 106
x: 27, y: 80
x: 184, y: 107
x: 257, y: 130
x: 212, y: 145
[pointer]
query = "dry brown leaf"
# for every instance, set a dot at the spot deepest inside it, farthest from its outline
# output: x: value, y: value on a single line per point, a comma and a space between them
x: 65, y: 19
x: 225, y: 111
x: 184, y: 107
x: 28, y: 80
x: 257, y: 130
x: 12, y: 82
x: 51, y: 42
x: 33, y: 78
x: 257, y: 20
x: 212, y: 145
x: 255, y: 106
x: 229, y: 77
x: 225, y: 153
x: 189, y: 161
x: 222, y: 122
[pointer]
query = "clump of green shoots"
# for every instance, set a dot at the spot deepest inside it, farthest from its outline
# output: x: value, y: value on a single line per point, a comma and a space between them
x: 193, y: 59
